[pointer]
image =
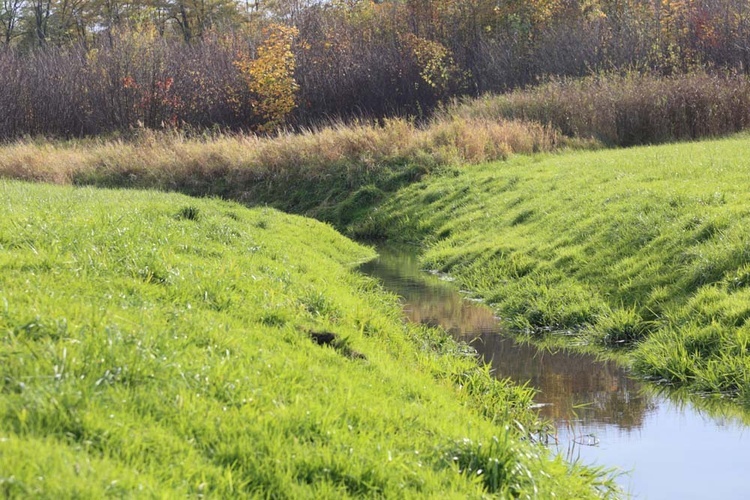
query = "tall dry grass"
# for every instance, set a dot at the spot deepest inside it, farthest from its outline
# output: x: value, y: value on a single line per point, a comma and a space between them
x: 335, y: 159
x: 625, y: 110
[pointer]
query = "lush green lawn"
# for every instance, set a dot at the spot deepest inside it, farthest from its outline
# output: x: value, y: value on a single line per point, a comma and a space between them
x: 647, y: 247
x: 155, y: 345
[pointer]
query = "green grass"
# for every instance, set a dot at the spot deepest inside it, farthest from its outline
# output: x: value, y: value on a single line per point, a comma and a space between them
x: 154, y: 345
x: 646, y: 247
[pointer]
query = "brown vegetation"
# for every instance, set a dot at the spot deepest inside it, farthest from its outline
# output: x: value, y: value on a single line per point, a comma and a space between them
x: 336, y: 159
x: 626, y: 110
x: 80, y: 69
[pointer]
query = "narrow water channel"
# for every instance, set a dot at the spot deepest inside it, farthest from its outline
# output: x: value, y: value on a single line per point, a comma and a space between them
x: 666, y: 446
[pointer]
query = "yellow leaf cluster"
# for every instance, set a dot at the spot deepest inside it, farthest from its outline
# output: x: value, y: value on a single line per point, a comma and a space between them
x: 270, y: 76
x: 435, y: 61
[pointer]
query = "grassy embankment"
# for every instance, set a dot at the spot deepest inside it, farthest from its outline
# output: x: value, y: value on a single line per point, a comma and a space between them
x: 157, y: 345
x: 646, y: 247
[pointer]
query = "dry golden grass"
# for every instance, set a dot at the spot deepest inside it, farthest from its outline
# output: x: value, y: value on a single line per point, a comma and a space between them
x: 624, y: 110
x: 260, y: 169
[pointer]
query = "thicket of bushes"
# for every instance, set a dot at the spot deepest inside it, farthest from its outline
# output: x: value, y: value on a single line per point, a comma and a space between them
x: 174, y: 65
x: 134, y: 79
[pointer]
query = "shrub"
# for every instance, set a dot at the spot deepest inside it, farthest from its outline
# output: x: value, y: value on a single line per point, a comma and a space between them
x: 270, y: 77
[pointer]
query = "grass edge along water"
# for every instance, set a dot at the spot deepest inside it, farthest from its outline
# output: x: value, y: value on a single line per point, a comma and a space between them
x: 643, y: 251
x: 158, y: 345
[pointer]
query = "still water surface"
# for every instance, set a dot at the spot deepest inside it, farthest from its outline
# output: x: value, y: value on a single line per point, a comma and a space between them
x: 666, y: 446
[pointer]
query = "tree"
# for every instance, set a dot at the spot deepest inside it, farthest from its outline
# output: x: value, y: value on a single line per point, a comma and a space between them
x: 10, y: 15
x: 41, y: 11
x: 270, y: 76
x: 195, y: 17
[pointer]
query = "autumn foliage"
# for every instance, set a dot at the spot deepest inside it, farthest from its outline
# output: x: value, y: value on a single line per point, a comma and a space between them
x: 82, y: 69
x: 270, y: 77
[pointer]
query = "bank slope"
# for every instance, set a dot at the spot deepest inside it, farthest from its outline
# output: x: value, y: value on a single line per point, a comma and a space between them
x: 646, y: 247
x: 157, y: 345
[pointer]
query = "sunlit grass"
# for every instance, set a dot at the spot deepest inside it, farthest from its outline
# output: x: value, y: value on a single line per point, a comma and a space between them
x: 646, y: 247
x: 154, y: 345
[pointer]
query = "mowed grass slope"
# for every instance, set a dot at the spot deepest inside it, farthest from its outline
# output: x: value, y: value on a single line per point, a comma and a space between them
x: 154, y: 345
x: 647, y: 247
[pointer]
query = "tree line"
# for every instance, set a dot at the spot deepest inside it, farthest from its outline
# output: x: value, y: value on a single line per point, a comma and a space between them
x: 86, y: 67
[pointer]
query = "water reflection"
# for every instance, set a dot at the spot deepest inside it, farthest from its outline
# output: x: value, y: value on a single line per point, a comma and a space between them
x: 602, y: 415
x: 572, y: 387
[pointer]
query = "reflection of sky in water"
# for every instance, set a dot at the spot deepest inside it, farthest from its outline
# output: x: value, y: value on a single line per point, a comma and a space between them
x: 671, y: 449
x: 674, y: 454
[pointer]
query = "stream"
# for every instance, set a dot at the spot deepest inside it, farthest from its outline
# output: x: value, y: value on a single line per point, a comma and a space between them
x: 664, y: 445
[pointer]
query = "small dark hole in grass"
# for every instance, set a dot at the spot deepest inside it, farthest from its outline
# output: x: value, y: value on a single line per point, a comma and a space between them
x: 708, y: 231
x: 189, y: 213
x: 514, y: 202
x: 338, y: 343
x: 324, y: 338
x: 511, y: 184
x: 433, y: 196
x: 692, y: 223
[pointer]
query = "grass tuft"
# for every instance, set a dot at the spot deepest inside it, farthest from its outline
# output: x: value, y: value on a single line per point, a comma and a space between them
x: 625, y: 110
x: 188, y: 213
